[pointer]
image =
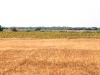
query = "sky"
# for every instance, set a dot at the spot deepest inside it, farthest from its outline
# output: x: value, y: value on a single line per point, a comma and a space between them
x: 34, y: 13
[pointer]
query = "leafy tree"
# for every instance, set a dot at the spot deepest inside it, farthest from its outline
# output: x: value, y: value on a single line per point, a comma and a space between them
x: 38, y: 29
x: 94, y: 28
x: 14, y: 29
x: 1, y: 28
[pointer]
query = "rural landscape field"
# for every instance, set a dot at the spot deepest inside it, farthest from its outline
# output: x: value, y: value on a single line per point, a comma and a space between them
x: 49, y: 53
x: 49, y: 37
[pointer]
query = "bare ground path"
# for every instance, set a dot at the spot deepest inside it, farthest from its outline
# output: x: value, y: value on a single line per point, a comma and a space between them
x: 29, y: 56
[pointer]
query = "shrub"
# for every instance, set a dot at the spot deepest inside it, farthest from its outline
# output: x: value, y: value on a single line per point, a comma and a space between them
x: 38, y: 29
x: 1, y: 29
x: 14, y: 29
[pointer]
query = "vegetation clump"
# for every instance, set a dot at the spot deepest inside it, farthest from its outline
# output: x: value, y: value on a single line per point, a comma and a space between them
x: 38, y: 29
x: 1, y: 28
x: 14, y: 29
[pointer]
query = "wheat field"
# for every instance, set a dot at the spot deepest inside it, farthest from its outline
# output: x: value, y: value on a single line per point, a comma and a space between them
x: 27, y: 56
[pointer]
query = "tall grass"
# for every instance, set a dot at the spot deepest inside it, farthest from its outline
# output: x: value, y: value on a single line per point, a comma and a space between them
x: 52, y: 34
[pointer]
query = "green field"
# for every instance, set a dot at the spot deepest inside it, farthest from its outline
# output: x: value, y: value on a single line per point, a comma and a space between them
x: 49, y: 34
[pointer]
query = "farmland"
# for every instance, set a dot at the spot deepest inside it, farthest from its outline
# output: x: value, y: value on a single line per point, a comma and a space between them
x: 49, y: 53
x: 60, y: 56
x: 49, y: 34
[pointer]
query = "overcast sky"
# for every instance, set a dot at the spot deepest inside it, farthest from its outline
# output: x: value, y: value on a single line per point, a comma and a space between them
x: 70, y: 13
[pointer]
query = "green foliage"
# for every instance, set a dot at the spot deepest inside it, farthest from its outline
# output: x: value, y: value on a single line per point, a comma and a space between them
x: 14, y: 29
x: 1, y: 28
x: 38, y: 29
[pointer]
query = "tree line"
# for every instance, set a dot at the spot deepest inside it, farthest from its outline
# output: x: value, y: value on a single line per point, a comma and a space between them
x: 47, y: 28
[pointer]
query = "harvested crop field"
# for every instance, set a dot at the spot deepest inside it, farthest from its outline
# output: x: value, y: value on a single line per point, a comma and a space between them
x: 27, y: 56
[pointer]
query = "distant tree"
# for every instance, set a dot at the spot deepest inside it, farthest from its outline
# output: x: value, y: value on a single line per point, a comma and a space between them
x: 1, y: 28
x: 38, y: 29
x: 94, y: 28
x: 83, y: 28
x: 14, y: 29
x: 88, y: 28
